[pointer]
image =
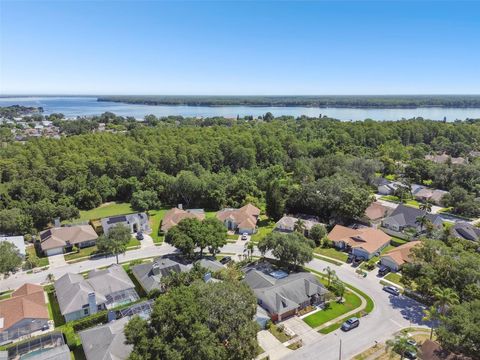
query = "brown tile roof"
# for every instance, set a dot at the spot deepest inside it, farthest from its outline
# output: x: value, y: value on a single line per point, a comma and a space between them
x: 246, y: 217
x: 402, y: 254
x: 58, y: 237
x: 377, y: 211
x: 431, y: 350
x: 369, y: 239
x: 27, y: 302
x: 173, y: 216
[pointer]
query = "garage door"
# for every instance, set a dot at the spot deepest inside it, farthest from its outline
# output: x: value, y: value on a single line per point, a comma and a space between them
x: 55, y: 251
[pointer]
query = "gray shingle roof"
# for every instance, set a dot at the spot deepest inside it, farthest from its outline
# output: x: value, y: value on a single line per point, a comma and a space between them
x: 281, y: 295
x: 466, y: 231
x: 106, y: 342
x: 72, y: 289
x: 407, y: 216
x: 149, y: 275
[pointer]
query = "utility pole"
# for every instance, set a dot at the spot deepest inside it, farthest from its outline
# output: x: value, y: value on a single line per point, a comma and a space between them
x: 340, y: 351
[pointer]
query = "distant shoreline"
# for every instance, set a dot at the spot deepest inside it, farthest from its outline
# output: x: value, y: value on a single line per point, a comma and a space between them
x: 320, y: 102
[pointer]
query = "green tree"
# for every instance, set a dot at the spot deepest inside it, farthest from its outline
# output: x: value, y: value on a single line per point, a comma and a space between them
x: 458, y: 332
x: 275, y: 204
x: 10, y: 259
x: 445, y: 297
x: 145, y: 200
x: 116, y: 241
x: 317, y: 233
x: 290, y: 249
x: 400, y: 345
x: 14, y: 221
x: 331, y: 275
x: 185, y: 236
x: 299, y: 226
x: 196, y: 322
x: 426, y: 206
x: 214, y: 235
x: 431, y: 314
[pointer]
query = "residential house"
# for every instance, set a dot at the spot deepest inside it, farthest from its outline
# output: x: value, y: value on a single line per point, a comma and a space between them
x: 425, y: 194
x: 102, y: 289
x: 149, y: 275
x: 56, y: 240
x: 432, y: 350
x: 287, y: 223
x: 106, y: 342
x: 211, y: 265
x: 465, y: 230
x: 173, y: 216
x: 396, y: 258
x: 135, y: 222
x: 18, y: 241
x: 444, y: 158
x: 405, y: 218
x: 386, y: 187
x: 243, y: 220
x: 364, y: 242
x: 24, y: 313
x: 375, y: 212
x: 282, y: 295
x: 50, y: 346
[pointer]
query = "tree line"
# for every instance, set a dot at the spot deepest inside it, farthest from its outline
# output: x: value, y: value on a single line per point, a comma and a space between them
x: 323, y: 167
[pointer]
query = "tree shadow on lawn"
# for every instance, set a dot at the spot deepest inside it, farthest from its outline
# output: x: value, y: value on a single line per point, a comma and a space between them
x: 410, y: 309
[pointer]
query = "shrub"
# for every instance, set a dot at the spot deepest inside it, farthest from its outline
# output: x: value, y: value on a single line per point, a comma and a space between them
x: 90, y: 321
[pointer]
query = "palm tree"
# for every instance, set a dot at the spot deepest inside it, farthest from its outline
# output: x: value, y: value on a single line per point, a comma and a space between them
x: 250, y: 247
x: 399, y: 345
x: 430, y: 314
x: 444, y: 298
x: 299, y: 226
x: 426, y: 206
x: 331, y: 274
x: 422, y: 221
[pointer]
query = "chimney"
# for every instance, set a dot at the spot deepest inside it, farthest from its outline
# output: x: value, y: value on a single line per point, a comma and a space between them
x: 155, y: 269
x: 180, y: 206
x: 56, y: 222
x: 92, y: 303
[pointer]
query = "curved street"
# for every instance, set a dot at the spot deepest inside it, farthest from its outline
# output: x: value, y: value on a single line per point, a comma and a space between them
x: 390, y: 314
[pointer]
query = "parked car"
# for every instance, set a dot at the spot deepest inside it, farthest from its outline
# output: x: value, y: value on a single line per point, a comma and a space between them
x: 244, y: 236
x: 225, y: 260
x: 350, y: 324
x: 410, y: 354
x: 392, y: 290
x: 412, y: 342
x: 384, y: 270
x: 139, y: 236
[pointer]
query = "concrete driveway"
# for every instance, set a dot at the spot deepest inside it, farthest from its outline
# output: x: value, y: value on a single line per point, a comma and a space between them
x: 147, y: 241
x: 56, y: 261
x: 274, y: 348
x: 300, y: 328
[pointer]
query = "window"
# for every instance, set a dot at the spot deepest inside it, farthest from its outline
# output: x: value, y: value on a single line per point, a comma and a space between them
x: 85, y: 311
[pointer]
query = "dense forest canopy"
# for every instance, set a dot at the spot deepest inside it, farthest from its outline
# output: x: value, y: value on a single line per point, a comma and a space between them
x: 344, y: 101
x: 322, y: 166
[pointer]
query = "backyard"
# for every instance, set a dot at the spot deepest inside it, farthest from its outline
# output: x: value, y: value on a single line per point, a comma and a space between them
x: 265, y: 227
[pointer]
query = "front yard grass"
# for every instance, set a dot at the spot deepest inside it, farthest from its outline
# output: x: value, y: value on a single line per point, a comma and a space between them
x: 39, y: 259
x: 332, y: 253
x: 84, y: 252
x: 280, y: 334
x: 335, y: 310
x: 394, y: 277
x: 265, y: 227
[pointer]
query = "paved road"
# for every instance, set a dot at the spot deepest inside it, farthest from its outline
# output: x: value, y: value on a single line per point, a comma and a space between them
x: 390, y: 314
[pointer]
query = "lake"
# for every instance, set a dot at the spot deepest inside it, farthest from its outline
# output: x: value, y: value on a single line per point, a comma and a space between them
x: 72, y: 107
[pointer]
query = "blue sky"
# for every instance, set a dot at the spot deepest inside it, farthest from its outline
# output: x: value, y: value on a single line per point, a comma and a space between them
x: 249, y: 47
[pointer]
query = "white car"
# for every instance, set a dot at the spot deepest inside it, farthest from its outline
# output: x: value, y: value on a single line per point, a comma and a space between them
x: 244, y: 236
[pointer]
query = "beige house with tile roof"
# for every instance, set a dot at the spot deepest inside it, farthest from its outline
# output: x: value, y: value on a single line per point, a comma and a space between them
x: 54, y: 241
x: 399, y: 256
x: 243, y: 220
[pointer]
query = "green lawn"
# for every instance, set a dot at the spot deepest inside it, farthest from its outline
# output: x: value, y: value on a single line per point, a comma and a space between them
x: 280, y: 335
x: 396, y: 199
x: 156, y: 217
x: 328, y: 329
x: 91, y: 250
x: 6, y: 294
x: 54, y: 308
x: 393, y: 277
x: 265, y: 227
x: 352, y: 302
x: 331, y: 252
x: 39, y: 259
x: 396, y: 241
